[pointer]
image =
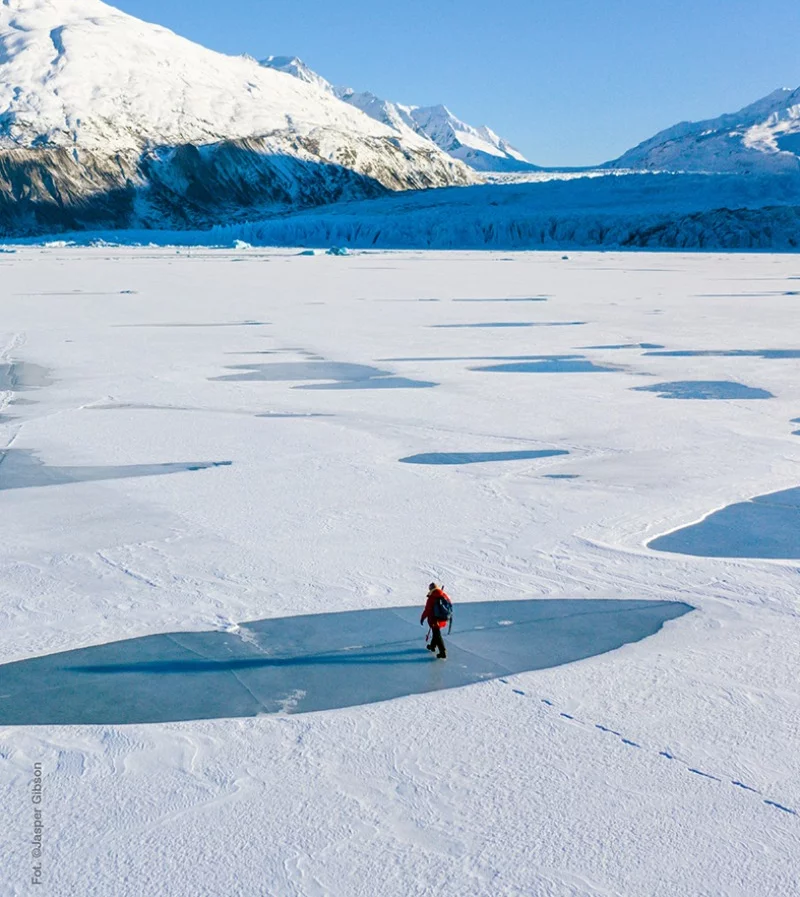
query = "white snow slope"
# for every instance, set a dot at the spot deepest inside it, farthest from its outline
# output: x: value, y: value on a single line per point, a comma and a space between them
x: 667, y: 768
x: 761, y: 137
x: 480, y: 147
x: 91, y: 94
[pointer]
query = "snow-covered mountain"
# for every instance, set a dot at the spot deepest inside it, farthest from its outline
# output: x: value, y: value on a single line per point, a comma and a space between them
x: 105, y: 118
x: 295, y: 67
x: 480, y: 148
x: 764, y: 136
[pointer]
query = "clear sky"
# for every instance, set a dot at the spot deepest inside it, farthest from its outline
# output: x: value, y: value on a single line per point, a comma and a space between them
x: 568, y: 82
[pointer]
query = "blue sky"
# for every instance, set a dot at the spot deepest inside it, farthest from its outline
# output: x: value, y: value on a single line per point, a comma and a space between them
x: 569, y: 82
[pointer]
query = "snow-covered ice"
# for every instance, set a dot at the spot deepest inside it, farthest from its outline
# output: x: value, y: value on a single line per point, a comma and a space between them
x: 201, y: 447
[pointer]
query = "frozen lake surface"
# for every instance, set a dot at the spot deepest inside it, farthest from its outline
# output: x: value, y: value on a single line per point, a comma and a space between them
x: 193, y: 438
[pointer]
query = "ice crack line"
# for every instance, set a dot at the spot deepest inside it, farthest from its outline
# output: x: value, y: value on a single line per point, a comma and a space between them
x: 666, y: 755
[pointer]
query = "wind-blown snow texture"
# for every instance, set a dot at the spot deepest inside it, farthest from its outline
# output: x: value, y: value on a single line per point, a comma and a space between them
x: 667, y: 767
x: 105, y: 117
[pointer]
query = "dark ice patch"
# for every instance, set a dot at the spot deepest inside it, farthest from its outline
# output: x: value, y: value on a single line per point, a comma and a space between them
x: 310, y: 663
x: 767, y: 526
x: 342, y: 374
x: 550, y: 364
x: 288, y: 371
x: 21, y: 469
x: 469, y: 358
x: 753, y: 295
x: 729, y: 353
x: 705, y: 389
x: 479, y: 457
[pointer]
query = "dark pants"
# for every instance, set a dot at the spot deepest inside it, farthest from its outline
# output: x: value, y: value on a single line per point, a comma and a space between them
x: 437, y: 641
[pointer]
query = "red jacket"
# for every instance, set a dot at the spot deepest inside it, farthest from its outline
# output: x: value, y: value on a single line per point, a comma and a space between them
x: 427, y: 614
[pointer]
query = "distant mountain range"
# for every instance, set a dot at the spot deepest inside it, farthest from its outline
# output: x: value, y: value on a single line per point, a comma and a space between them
x: 109, y: 122
x: 480, y: 147
x: 762, y: 137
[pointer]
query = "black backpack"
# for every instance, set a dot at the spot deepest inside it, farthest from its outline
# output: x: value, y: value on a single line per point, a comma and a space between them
x: 443, y: 608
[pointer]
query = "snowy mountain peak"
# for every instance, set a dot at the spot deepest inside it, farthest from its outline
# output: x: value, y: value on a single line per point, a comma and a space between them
x: 294, y: 66
x: 80, y: 73
x: 763, y: 136
x: 480, y: 148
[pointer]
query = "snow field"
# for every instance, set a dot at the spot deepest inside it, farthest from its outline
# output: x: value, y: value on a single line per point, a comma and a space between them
x: 484, y: 790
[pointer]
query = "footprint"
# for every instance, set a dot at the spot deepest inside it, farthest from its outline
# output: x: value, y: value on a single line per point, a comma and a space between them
x: 705, y: 775
x: 604, y: 729
x: 746, y: 787
x: 630, y: 743
x: 71, y: 763
x: 771, y: 803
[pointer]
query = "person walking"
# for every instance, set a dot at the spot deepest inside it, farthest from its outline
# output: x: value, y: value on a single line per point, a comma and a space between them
x: 438, y: 612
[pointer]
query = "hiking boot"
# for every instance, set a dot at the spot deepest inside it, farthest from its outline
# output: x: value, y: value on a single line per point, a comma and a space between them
x: 430, y: 647
x: 442, y: 655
